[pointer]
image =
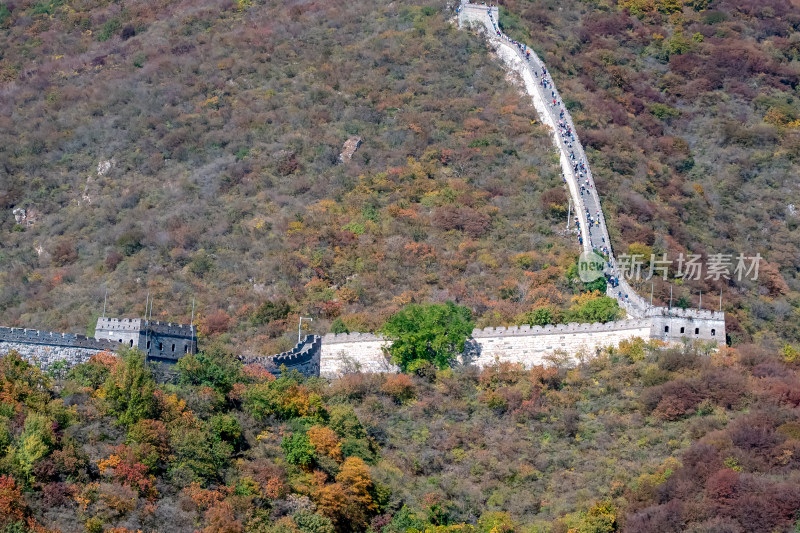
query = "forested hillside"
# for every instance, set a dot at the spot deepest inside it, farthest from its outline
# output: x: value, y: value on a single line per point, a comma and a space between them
x: 690, y: 117
x: 639, y: 439
x: 191, y: 149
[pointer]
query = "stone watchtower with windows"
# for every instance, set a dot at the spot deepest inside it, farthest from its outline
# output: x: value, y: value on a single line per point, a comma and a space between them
x: 161, y: 341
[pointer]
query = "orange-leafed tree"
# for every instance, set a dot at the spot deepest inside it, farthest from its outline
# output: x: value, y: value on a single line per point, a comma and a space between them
x: 325, y: 442
x: 399, y: 387
x: 356, y: 480
x: 11, y: 505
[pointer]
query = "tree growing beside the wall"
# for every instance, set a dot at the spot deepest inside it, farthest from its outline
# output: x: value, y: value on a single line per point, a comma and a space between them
x: 593, y: 307
x: 428, y: 334
x: 129, y: 389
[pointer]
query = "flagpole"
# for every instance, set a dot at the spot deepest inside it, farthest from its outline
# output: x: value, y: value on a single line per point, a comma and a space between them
x: 191, y: 325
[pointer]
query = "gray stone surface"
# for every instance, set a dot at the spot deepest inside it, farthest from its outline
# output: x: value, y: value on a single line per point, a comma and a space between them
x: 43, y: 355
x: 161, y: 341
x: 305, y: 358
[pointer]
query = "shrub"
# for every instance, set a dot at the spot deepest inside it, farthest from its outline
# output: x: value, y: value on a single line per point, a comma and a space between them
x: 11, y: 502
x: 110, y: 27
x: 339, y: 326
x: 5, y: 15
x: 399, y: 387
x: 113, y: 259
x: 466, y: 219
x: 64, y: 254
x: 270, y: 311
x: 298, y: 449
x: 325, y: 442
x: 538, y: 317
x: 675, y: 359
x: 215, y: 323
x: 593, y: 307
x: 130, y: 242
x: 672, y: 400
x: 213, y: 368
x: 724, y: 387
x: 284, y: 398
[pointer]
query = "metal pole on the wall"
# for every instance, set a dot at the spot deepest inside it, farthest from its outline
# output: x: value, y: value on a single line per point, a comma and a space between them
x: 191, y: 325
x: 720, y: 300
x: 700, y: 305
x: 146, y: 329
x: 670, y: 295
x: 569, y: 211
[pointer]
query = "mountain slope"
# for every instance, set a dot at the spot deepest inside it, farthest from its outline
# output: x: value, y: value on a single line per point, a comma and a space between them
x: 190, y: 150
x: 689, y: 115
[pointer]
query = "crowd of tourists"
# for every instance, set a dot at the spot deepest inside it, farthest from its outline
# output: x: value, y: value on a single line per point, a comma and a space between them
x: 579, y: 166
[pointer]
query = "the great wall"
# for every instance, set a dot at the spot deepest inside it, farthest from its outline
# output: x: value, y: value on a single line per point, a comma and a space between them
x: 333, y: 355
x: 47, y: 347
x: 161, y: 341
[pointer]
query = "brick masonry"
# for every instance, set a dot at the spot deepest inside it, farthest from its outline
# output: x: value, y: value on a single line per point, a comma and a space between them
x: 365, y: 352
x: 305, y: 358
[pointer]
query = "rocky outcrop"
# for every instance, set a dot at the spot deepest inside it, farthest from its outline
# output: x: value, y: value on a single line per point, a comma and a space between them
x: 349, y: 148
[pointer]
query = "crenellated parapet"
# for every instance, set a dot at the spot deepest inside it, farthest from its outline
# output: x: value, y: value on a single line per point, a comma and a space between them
x: 558, y: 329
x: 50, y: 338
x: 45, y: 348
x: 692, y: 314
x: 171, y: 329
x: 119, y: 324
x: 340, y: 338
x: 305, y: 358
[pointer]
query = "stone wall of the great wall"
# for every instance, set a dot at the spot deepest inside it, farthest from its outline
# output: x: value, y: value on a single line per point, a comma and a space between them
x: 530, y: 345
x: 44, y: 355
x: 350, y: 352
x: 305, y: 358
x: 364, y: 352
x: 45, y: 347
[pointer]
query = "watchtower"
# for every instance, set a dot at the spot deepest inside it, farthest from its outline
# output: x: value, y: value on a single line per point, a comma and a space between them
x: 161, y: 341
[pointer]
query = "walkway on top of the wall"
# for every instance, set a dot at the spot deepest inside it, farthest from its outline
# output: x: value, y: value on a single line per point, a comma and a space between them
x: 574, y: 163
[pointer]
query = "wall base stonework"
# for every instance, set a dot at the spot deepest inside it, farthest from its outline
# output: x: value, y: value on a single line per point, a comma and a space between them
x: 529, y: 346
x: 354, y: 352
x: 44, y: 356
